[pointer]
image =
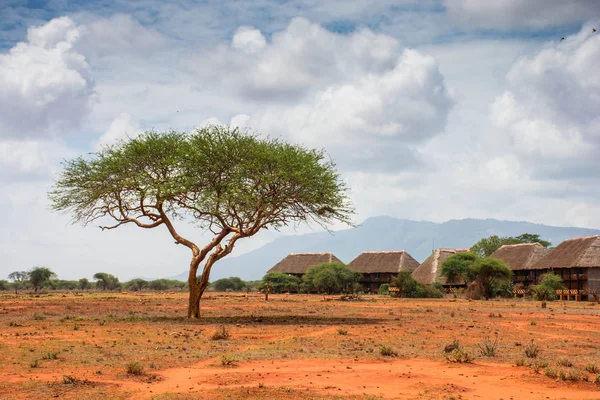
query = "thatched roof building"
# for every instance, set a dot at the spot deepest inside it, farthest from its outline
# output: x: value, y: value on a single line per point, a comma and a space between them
x: 373, y: 262
x: 298, y: 263
x: 522, y: 256
x: 581, y: 252
x: 430, y: 271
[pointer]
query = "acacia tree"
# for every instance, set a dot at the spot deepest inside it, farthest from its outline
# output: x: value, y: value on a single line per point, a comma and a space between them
x: 18, y: 279
x: 39, y: 276
x: 228, y: 183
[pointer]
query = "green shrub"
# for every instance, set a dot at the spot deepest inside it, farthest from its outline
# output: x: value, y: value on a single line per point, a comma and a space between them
x: 342, y: 331
x: 384, y: 289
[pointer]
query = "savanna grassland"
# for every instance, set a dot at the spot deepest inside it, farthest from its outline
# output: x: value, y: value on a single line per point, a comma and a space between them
x: 141, y: 346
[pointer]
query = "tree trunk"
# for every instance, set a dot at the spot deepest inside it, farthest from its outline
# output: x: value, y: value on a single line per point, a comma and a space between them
x: 196, y: 288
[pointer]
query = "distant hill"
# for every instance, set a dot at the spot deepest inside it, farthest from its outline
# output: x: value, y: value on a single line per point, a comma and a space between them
x: 384, y: 233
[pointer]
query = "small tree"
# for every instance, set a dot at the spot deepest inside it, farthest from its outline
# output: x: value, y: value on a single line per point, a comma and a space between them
x: 490, y: 273
x: 546, y: 289
x: 279, y: 282
x: 18, y: 279
x: 228, y: 183
x: 333, y: 277
x: 39, y: 276
x: 4, y: 285
x: 408, y: 287
x: 84, y: 284
x: 106, y: 281
x: 136, y: 284
x: 233, y: 283
x: 486, y: 246
x: 458, y: 268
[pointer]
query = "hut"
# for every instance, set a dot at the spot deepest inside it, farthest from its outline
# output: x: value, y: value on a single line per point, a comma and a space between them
x: 379, y: 267
x: 296, y: 264
x: 577, y: 262
x: 521, y: 258
x: 430, y: 271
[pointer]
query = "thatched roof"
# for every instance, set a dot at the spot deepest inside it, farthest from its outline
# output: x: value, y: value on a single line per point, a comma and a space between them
x: 581, y: 252
x: 520, y: 256
x: 371, y: 262
x: 430, y: 271
x: 298, y: 263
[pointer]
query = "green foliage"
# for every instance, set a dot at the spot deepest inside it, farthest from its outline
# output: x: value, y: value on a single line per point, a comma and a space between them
x: 106, y: 281
x: 4, y: 285
x: 458, y: 268
x: 384, y: 289
x: 546, y: 289
x: 278, y: 282
x: 136, y: 284
x: 18, y: 276
x: 84, y: 284
x: 229, y: 183
x: 490, y: 273
x: 410, y: 288
x: 59, y: 284
x: 233, y: 284
x: 330, y: 278
x: 166, y: 284
x: 486, y: 246
x: 39, y: 276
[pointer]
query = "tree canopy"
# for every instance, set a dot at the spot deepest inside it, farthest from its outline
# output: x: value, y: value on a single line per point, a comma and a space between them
x: 227, y: 182
x: 487, y: 246
x: 408, y: 287
x: 333, y: 277
x: 458, y: 268
x: 232, y: 283
x: 546, y: 289
x: 39, y: 276
x: 106, y: 281
x: 489, y: 274
x: 278, y: 282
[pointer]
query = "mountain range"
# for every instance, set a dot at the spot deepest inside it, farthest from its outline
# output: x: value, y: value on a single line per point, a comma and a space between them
x: 418, y: 238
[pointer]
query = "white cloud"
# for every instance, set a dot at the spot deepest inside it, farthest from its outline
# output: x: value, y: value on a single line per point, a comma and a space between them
x: 122, y: 127
x: 248, y: 39
x: 359, y: 95
x: 550, y: 110
x: 46, y: 86
x: 29, y: 159
x: 507, y: 14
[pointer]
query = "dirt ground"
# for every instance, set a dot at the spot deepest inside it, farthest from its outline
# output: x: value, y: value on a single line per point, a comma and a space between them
x: 79, y: 346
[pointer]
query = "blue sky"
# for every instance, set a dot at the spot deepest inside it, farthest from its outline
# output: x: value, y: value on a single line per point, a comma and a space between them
x: 433, y: 110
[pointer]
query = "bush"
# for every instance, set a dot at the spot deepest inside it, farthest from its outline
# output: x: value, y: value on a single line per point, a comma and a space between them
x: 592, y: 368
x: 342, y: 331
x: 228, y: 361
x: 135, y: 368
x: 532, y: 349
x: 384, y: 289
x: 233, y: 284
x: 454, y: 352
x: 221, y: 333
x: 387, y: 351
x: 488, y: 348
x: 547, y: 288
x: 330, y: 278
x: 278, y: 282
x: 564, y: 362
x: 410, y: 288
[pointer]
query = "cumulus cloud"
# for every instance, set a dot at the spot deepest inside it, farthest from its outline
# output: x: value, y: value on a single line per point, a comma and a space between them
x: 359, y: 95
x: 122, y: 127
x: 508, y: 14
x: 550, y: 109
x: 45, y: 85
x: 248, y: 39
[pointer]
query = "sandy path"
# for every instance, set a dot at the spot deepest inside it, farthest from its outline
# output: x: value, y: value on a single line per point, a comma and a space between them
x: 393, y: 379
